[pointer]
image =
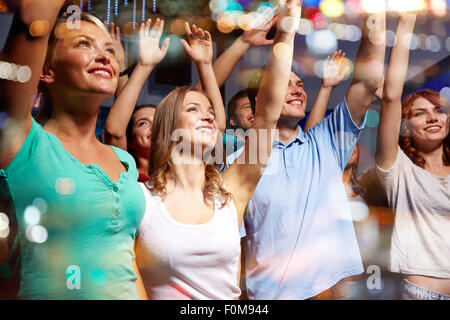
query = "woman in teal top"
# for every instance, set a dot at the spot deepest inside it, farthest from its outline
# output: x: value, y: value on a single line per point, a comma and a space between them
x: 77, y: 203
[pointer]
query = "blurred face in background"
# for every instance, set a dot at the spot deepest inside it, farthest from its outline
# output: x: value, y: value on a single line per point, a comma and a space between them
x: 142, y: 131
x: 243, y: 114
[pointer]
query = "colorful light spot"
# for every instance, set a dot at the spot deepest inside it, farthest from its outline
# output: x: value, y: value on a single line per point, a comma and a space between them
x: 99, y: 277
x: 373, y: 119
x: 282, y: 51
x: 32, y: 215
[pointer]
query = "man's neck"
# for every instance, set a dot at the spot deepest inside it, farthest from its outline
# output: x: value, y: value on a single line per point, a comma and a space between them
x: 287, y: 129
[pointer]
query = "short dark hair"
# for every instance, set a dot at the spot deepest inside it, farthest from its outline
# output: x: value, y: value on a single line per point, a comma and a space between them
x: 254, y: 82
x: 232, y: 104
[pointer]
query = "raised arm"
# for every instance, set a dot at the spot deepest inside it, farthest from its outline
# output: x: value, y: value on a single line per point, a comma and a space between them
x: 25, y: 49
x: 254, y: 37
x: 241, y: 179
x: 391, y: 106
x: 114, y: 31
x: 200, y: 51
x: 369, y: 65
x: 334, y: 71
x: 150, y: 54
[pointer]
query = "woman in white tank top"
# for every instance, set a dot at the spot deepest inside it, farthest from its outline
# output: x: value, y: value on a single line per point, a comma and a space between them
x: 413, y: 162
x: 188, y: 245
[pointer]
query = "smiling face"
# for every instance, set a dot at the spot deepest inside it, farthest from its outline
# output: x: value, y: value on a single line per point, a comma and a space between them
x: 427, y: 122
x: 295, y: 100
x: 141, y: 131
x: 82, y: 61
x: 243, y: 114
x: 197, y: 120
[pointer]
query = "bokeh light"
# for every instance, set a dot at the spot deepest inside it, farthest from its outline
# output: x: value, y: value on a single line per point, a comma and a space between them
x: 289, y: 24
x: 40, y: 204
x: 99, y: 277
x: 359, y: 210
x: 353, y: 7
x: 264, y: 6
x: 225, y: 24
x: 373, y: 119
x: 282, y: 51
x: 5, y: 70
x: 176, y: 27
x: 319, y: 20
x: 39, y: 28
x: 406, y: 5
x: 246, y: 22
x: 23, y: 74
x: 305, y: 27
x: 445, y: 93
x: 32, y: 215
x: 4, y: 225
x: 390, y: 38
x: 372, y: 6
x: 36, y: 234
x: 432, y: 43
x: 332, y: 8
x: 321, y: 42
x: 438, y: 7
x: 65, y: 186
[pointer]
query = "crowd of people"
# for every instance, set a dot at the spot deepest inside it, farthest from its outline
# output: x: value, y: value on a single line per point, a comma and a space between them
x: 170, y: 206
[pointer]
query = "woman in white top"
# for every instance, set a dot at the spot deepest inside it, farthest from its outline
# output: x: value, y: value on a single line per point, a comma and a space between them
x: 188, y: 245
x: 415, y: 170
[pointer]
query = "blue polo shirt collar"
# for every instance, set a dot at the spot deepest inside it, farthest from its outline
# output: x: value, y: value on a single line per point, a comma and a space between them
x: 300, y: 138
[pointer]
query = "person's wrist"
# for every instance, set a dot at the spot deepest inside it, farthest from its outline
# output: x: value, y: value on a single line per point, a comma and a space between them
x: 203, y: 64
x: 243, y: 42
x: 327, y: 86
x: 145, y: 66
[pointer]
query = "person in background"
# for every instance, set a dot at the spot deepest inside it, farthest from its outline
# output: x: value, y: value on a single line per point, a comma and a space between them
x: 223, y: 66
x: 139, y: 135
x: 335, y: 69
x: 241, y: 116
x: 299, y: 214
x: 413, y: 162
x: 129, y: 127
x: 77, y: 202
x: 188, y: 245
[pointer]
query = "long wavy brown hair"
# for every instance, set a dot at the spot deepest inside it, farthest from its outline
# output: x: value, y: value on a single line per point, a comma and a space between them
x: 165, y: 122
x: 406, y: 142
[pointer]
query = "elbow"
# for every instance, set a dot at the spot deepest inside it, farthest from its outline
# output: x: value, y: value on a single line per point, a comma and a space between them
x: 34, y: 10
x: 111, y: 134
x: 390, y: 97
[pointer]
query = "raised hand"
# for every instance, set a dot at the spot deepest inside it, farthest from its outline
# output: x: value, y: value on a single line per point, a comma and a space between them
x: 115, y: 36
x: 256, y: 36
x: 199, y: 47
x: 335, y: 69
x: 150, y: 54
x: 289, y: 14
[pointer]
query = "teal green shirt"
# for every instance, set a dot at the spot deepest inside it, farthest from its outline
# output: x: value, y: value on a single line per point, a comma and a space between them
x: 76, y: 227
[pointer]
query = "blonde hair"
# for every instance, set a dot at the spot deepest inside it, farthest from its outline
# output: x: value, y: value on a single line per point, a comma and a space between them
x: 46, y: 109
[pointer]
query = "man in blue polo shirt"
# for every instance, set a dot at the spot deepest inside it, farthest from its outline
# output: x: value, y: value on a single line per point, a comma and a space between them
x: 300, y: 237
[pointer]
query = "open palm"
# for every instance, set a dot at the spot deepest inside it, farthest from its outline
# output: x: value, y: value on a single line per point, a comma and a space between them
x: 199, y: 48
x: 256, y: 36
x: 150, y: 54
x: 335, y: 69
